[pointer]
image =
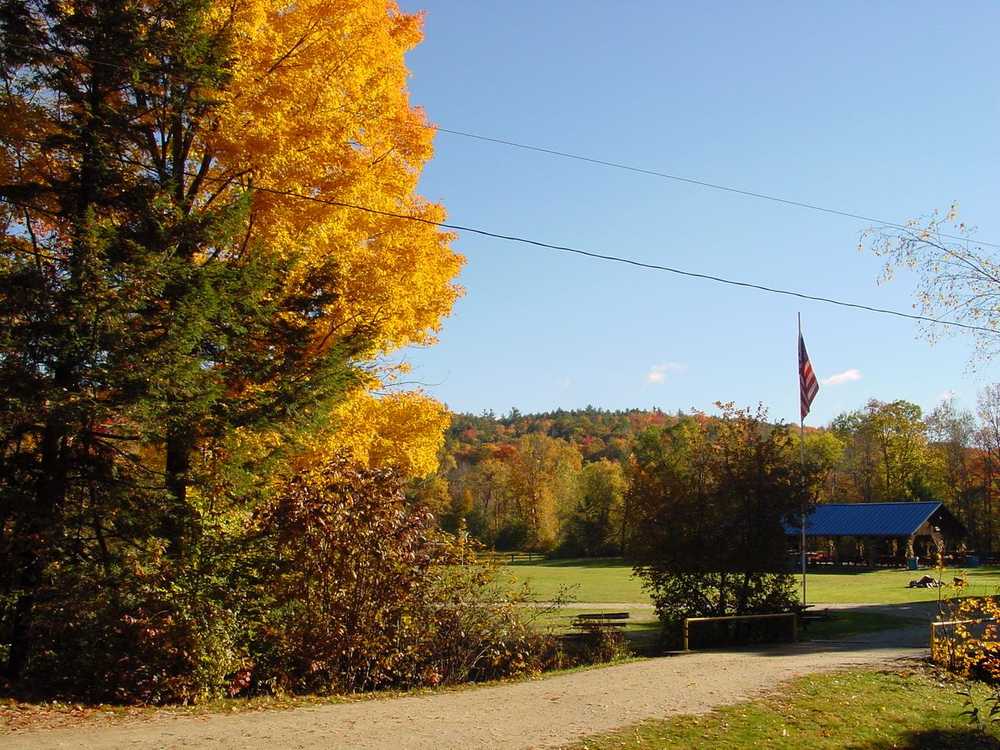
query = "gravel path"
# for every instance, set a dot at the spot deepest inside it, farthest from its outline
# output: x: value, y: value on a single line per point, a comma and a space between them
x: 536, y: 714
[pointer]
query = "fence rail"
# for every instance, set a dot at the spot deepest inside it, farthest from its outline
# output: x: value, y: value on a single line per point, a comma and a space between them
x: 511, y: 557
x: 935, y: 626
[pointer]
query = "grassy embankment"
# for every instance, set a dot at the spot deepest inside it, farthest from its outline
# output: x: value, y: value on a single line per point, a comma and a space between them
x: 862, y: 710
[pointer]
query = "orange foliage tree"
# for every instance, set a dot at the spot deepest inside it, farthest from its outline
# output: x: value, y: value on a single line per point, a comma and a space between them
x: 190, y: 315
x: 318, y: 108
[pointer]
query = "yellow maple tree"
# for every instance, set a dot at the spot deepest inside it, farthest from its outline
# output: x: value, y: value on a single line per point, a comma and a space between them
x: 402, y: 430
x: 318, y: 107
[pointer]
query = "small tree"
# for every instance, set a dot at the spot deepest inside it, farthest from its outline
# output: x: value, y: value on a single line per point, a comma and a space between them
x: 708, y: 498
x: 543, y: 476
x: 594, y: 526
x: 959, y: 279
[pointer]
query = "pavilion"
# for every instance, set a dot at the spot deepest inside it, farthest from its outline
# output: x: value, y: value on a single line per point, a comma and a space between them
x: 877, y: 533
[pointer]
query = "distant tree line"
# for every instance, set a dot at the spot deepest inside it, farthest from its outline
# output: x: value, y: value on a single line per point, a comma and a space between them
x: 560, y: 481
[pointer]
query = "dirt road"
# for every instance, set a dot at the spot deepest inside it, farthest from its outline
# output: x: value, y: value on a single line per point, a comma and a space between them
x: 538, y: 714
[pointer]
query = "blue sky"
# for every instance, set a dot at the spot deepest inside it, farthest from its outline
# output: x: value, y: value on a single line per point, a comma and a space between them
x: 888, y: 110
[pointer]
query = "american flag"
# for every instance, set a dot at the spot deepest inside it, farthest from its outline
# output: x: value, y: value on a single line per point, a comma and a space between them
x: 808, y: 387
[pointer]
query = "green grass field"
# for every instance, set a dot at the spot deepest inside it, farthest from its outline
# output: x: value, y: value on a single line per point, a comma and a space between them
x: 600, y: 580
x: 859, y: 709
x: 611, y: 580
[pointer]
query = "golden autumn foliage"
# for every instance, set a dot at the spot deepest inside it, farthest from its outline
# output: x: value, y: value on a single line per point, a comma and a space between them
x: 212, y: 243
x: 318, y: 107
x: 966, y: 635
x: 403, y: 431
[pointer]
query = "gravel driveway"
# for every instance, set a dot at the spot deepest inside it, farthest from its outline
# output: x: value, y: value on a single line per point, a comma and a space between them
x: 542, y: 713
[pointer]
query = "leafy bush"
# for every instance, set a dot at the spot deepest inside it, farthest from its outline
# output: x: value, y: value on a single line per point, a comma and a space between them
x: 155, y: 635
x: 600, y: 645
x: 367, y: 594
x: 708, y: 499
x: 970, y: 647
x: 334, y: 585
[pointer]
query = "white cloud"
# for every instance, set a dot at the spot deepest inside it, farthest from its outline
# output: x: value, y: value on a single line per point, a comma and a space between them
x: 658, y: 373
x: 847, y: 376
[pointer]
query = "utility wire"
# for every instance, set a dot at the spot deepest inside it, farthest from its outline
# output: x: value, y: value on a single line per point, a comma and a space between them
x: 596, y: 255
x: 627, y: 261
x: 646, y: 171
x: 630, y: 261
x: 654, y: 173
x: 693, y: 181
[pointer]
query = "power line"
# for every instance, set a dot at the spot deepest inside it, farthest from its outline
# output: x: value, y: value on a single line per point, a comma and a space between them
x: 645, y: 171
x: 627, y: 261
x: 599, y: 256
x: 692, y: 181
x: 630, y: 261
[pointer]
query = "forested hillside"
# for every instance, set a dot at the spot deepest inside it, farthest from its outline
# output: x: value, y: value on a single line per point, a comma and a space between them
x: 559, y: 481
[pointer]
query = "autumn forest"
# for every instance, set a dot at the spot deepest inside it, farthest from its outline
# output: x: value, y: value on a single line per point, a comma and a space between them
x: 558, y: 482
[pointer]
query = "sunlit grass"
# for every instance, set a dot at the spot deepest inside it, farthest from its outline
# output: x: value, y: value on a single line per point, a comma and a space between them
x: 611, y: 580
x: 863, y: 710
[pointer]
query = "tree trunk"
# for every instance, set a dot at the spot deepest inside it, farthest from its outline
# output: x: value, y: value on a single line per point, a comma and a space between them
x: 624, y: 531
x: 178, y: 465
x: 39, y: 528
x: 989, y: 505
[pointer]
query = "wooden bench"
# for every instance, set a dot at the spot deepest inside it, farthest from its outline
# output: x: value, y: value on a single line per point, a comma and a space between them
x: 599, y: 620
x: 819, y: 615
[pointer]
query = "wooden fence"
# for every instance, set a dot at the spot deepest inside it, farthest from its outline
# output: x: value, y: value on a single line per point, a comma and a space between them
x: 791, y: 616
x: 943, y: 648
x: 511, y: 557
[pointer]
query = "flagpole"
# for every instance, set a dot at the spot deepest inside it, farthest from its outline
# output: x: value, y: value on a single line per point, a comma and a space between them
x: 802, y: 460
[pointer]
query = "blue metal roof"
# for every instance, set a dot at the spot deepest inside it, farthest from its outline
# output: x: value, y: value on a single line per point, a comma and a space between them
x: 866, y: 519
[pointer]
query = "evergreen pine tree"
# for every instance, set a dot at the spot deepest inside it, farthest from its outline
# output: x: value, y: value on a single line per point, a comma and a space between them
x: 138, y: 332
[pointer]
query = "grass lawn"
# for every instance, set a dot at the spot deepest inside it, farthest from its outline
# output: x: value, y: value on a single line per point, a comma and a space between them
x: 642, y: 629
x: 584, y: 580
x: 889, y: 586
x: 859, y: 709
x: 839, y: 624
x: 611, y: 580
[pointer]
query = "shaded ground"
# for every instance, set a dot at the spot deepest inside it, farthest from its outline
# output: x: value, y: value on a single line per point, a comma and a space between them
x: 543, y: 713
x: 642, y: 628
